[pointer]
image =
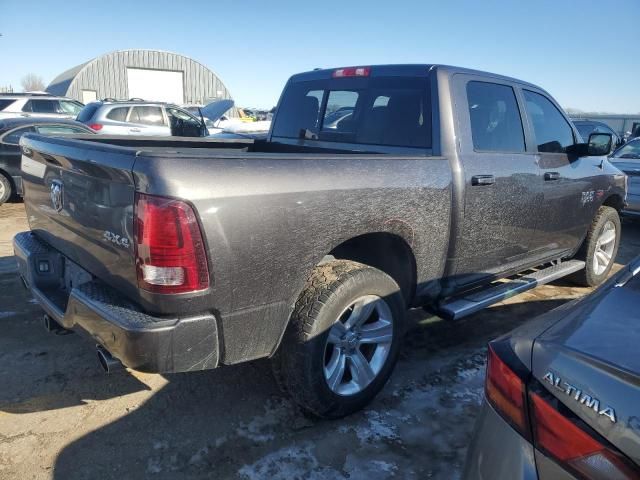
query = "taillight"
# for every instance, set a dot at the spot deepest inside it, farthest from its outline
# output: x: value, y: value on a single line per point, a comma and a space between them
x: 506, y: 392
x: 170, y: 254
x: 521, y: 401
x: 574, y: 448
x: 351, y: 72
x: 95, y: 126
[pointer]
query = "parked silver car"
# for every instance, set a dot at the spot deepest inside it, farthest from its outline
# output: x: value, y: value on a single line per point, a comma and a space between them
x: 137, y: 117
x: 562, y: 392
x: 627, y: 159
x: 39, y: 105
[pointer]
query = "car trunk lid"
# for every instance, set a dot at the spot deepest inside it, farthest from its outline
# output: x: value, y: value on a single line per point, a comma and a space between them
x: 590, y: 362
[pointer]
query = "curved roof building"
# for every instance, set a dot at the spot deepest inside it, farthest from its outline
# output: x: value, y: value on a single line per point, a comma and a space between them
x: 152, y: 75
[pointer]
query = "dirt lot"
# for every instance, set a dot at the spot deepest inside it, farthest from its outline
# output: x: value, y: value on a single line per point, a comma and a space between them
x: 62, y: 418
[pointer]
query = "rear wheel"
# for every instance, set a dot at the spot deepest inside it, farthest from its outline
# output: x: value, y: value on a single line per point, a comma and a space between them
x: 6, y: 190
x: 343, y: 339
x: 600, y: 248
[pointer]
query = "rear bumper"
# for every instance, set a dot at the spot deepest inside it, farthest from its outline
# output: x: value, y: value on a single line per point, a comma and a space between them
x: 139, y: 341
x: 497, y: 451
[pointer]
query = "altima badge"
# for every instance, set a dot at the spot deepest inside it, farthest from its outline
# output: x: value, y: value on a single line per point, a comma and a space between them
x: 579, y: 396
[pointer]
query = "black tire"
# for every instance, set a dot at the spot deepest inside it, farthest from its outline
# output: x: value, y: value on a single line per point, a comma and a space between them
x: 6, y: 189
x: 589, y: 277
x: 300, y: 360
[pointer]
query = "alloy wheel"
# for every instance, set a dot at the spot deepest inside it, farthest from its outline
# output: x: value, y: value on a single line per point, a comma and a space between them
x: 605, y: 245
x: 358, y: 345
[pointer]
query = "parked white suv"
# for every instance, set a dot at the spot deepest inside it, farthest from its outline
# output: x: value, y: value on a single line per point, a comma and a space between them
x: 137, y: 117
x: 38, y: 105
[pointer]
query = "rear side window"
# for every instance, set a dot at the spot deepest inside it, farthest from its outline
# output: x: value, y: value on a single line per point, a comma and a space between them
x: 5, y: 102
x: 41, y: 106
x: 118, y: 114
x: 14, y: 137
x: 59, y: 130
x: 147, y: 115
x: 553, y: 133
x: 388, y: 111
x: 496, y: 125
x: 87, y: 112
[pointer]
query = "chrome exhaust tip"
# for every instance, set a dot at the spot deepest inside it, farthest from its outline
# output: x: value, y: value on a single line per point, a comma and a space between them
x: 50, y: 325
x: 108, y: 363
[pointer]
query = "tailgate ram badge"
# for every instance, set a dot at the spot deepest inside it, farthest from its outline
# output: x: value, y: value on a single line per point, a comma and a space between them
x: 56, y: 195
x: 580, y: 397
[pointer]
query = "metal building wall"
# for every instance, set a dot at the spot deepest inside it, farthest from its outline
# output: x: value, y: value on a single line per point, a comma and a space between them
x: 107, y: 75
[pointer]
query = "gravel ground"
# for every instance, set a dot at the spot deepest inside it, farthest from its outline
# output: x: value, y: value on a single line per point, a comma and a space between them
x: 62, y: 418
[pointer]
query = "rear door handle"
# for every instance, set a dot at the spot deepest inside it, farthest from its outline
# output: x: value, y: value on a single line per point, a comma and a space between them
x: 550, y: 176
x: 134, y: 130
x: 482, y: 180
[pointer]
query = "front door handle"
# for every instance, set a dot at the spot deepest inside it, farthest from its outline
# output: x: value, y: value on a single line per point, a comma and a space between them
x: 482, y: 180
x: 550, y: 176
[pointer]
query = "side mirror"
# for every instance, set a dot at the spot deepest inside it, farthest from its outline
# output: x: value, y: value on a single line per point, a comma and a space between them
x: 599, y: 144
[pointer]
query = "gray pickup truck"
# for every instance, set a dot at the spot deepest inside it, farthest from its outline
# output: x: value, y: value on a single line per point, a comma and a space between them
x: 378, y: 189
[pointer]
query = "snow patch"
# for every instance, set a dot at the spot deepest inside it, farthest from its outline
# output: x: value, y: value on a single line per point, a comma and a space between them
x: 377, y: 429
x: 261, y: 429
x: 289, y: 463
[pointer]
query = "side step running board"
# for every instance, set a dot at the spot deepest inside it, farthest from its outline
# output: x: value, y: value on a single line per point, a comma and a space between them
x: 455, y: 308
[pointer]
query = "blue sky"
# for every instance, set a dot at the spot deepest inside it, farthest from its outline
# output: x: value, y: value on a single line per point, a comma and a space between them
x: 585, y: 53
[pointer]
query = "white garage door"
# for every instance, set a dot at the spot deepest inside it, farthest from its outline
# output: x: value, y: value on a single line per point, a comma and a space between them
x: 155, y: 85
x: 89, y: 96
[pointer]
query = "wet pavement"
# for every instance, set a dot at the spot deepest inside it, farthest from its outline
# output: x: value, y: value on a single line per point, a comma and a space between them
x: 62, y: 418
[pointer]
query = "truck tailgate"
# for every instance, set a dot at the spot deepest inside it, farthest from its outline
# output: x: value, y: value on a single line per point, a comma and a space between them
x: 79, y: 199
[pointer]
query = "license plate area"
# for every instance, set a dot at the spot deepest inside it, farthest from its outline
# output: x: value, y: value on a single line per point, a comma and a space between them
x: 74, y: 276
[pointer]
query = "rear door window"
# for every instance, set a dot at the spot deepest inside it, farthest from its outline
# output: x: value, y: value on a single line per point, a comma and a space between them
x: 496, y: 124
x: 41, y: 106
x: 146, y: 115
x: 389, y: 111
x: 5, y: 102
x: 553, y: 132
x: 118, y: 114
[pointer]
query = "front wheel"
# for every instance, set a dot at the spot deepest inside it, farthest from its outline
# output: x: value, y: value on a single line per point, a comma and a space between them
x: 343, y: 339
x: 600, y: 248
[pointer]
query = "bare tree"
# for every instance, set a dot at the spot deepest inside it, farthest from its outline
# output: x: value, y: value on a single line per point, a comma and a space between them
x: 32, y: 82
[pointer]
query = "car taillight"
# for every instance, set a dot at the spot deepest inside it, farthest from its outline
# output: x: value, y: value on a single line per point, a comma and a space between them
x: 505, y: 391
x: 574, y: 448
x: 521, y: 401
x: 95, y: 126
x: 170, y: 254
x: 351, y: 72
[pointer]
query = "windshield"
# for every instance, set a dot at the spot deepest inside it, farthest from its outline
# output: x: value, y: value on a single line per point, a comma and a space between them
x: 630, y: 150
